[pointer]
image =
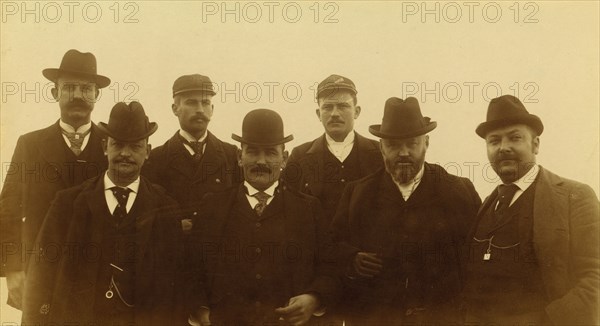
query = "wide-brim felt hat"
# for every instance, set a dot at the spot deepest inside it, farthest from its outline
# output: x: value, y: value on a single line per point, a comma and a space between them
x: 128, y: 123
x: 508, y: 110
x: 262, y: 127
x: 402, y: 119
x: 75, y: 62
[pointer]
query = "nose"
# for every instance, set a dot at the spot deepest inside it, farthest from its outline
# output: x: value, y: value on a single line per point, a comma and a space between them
x: 125, y: 151
x: 504, y: 145
x: 77, y: 92
x: 261, y: 158
x: 403, y: 150
x: 335, y: 111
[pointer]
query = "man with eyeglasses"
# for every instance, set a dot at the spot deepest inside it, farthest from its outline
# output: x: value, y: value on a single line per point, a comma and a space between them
x: 48, y: 160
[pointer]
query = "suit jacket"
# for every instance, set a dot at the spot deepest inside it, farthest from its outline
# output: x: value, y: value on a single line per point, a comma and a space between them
x: 305, y: 167
x: 38, y: 170
x: 314, y: 272
x: 450, y: 205
x: 62, y: 284
x: 566, y: 242
x: 171, y: 166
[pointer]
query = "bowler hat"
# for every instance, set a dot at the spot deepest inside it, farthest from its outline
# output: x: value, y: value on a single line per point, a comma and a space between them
x: 262, y: 127
x: 195, y: 82
x: 508, y: 110
x: 128, y: 123
x: 78, y: 63
x: 402, y: 119
x: 333, y: 84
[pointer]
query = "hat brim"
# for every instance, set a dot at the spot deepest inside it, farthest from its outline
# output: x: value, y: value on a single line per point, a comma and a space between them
x: 530, y: 120
x: 255, y: 143
x: 104, y: 128
x: 213, y: 93
x: 376, y: 131
x: 53, y: 73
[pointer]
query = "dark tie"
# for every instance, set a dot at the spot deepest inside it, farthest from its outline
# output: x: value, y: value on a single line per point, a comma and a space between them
x: 76, y: 140
x: 197, y: 146
x: 505, y: 195
x: 262, y: 202
x: 121, y: 194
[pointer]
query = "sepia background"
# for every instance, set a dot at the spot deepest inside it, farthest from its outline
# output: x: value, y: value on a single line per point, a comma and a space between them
x: 452, y: 56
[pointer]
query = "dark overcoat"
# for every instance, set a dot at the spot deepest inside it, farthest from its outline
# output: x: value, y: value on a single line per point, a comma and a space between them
x: 311, y: 271
x: 61, y: 285
x: 171, y: 167
x: 419, y: 241
x: 39, y: 168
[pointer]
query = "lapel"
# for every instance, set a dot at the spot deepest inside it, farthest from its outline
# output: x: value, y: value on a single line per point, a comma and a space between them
x: 88, y: 229
x: 549, y: 219
x: 482, y: 209
x: 212, y: 159
x: 52, y: 147
x: 145, y: 209
x: 178, y: 157
x: 96, y: 152
x: 367, y: 163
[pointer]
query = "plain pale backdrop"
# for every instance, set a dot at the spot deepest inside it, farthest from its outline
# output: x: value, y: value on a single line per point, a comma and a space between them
x: 454, y: 58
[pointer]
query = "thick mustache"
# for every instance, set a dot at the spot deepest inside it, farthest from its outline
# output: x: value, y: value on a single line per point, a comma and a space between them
x: 201, y: 117
x: 124, y: 160
x: 507, y: 157
x: 78, y: 103
x: 260, y: 169
x: 335, y: 121
x: 404, y: 160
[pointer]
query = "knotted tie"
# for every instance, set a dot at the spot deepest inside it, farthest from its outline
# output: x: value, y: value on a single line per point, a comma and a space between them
x: 262, y: 202
x: 76, y: 140
x: 197, y: 146
x: 121, y: 194
x: 505, y: 195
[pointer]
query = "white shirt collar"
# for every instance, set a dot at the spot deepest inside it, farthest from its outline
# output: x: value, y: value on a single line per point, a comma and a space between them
x: 347, y: 141
x: 68, y: 128
x: 269, y: 191
x: 406, y: 189
x: 134, y: 186
x: 525, y: 181
x: 187, y: 136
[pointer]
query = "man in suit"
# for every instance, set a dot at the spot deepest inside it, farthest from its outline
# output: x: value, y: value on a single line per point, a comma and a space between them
x: 48, y: 160
x: 110, y: 247
x: 534, y: 257
x: 398, y: 232
x: 259, y: 246
x: 324, y: 166
x: 193, y: 162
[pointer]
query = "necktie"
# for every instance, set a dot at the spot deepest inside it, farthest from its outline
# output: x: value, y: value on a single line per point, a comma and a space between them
x: 197, y: 146
x: 262, y: 202
x: 505, y: 195
x: 121, y: 194
x: 76, y: 140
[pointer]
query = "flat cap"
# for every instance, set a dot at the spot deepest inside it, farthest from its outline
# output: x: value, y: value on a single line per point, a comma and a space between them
x: 195, y: 82
x: 333, y: 84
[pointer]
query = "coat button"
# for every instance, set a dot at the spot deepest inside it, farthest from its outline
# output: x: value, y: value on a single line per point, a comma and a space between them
x: 217, y: 180
x: 258, y: 224
x: 195, y: 213
x: 342, y: 166
x: 258, y: 250
x: 343, y: 180
x: 258, y: 276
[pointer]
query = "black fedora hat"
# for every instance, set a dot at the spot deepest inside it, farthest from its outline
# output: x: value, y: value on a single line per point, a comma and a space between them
x: 262, y: 127
x: 128, y: 123
x: 78, y: 63
x: 402, y: 119
x: 508, y: 110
